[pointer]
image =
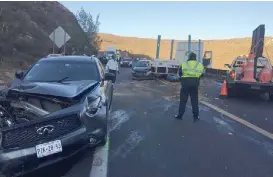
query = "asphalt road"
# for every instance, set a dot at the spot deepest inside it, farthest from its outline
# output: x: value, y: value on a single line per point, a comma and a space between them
x: 145, y: 139
x: 252, y: 108
x: 149, y: 142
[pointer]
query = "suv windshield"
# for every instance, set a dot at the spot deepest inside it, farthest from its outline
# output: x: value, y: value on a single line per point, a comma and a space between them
x: 50, y: 71
x: 110, y: 52
x: 142, y: 64
x: 126, y: 59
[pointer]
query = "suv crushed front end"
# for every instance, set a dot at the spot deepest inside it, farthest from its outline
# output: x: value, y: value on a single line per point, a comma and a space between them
x: 38, y: 129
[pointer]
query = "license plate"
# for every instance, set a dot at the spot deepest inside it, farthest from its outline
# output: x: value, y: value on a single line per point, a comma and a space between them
x: 49, y: 148
x: 255, y: 87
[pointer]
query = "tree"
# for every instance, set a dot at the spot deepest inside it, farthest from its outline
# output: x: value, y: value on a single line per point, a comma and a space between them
x: 91, y: 29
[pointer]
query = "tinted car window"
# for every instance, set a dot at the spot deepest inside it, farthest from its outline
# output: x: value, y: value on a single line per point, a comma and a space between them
x: 57, y: 70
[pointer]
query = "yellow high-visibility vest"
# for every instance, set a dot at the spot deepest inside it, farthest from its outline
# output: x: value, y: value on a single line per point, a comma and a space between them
x: 192, y: 68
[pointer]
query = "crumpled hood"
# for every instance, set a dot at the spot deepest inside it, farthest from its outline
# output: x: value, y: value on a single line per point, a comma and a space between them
x: 141, y: 69
x: 68, y: 89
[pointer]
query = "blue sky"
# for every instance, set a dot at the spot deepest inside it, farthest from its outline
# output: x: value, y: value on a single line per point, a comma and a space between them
x: 175, y: 20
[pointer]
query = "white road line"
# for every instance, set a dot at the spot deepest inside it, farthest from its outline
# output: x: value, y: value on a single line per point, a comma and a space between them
x: 231, y: 116
x: 100, y: 161
x: 245, y: 123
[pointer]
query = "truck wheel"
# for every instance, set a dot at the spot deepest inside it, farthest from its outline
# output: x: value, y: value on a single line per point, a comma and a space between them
x: 231, y: 92
x: 271, y: 97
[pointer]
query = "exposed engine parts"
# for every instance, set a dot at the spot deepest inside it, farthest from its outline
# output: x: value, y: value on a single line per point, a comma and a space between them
x: 29, y: 107
x: 24, y: 110
x: 6, y: 119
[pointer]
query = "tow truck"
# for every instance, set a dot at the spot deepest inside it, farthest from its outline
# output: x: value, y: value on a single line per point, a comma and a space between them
x: 251, y: 73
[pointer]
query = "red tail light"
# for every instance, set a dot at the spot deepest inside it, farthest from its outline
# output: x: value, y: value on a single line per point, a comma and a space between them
x: 232, y: 75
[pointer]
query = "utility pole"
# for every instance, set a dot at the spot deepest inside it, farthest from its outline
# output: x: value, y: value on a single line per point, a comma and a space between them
x: 199, y: 50
x: 171, y: 55
x: 189, y: 46
x: 158, y: 46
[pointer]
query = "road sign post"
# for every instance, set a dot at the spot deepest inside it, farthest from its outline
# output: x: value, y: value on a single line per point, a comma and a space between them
x: 64, y: 42
x: 53, y: 44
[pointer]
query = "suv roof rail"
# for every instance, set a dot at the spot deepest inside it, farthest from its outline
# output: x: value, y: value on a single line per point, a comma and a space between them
x: 54, y: 55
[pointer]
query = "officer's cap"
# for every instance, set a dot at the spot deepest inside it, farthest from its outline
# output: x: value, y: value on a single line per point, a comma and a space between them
x: 192, y: 56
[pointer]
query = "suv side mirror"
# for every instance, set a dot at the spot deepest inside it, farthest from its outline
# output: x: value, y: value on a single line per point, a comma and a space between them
x: 19, y: 74
x: 227, y: 65
x: 109, y: 76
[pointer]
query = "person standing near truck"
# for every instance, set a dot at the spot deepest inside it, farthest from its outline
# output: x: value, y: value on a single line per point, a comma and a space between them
x: 112, y: 66
x: 118, y: 57
x: 190, y: 73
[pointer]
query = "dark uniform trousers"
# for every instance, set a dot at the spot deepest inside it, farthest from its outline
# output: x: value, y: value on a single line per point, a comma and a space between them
x: 115, y: 73
x: 189, y: 88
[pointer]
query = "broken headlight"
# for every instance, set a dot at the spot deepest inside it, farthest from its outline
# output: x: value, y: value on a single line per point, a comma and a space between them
x: 92, y: 105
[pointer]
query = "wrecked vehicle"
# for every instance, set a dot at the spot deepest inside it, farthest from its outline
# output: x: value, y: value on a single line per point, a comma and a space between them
x: 142, y: 70
x: 56, y: 108
x: 126, y: 62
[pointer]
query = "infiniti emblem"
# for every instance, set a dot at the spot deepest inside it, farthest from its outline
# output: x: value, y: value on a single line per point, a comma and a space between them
x: 44, y: 130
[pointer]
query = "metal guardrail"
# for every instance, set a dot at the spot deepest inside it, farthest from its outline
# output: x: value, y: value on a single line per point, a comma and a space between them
x: 218, y: 74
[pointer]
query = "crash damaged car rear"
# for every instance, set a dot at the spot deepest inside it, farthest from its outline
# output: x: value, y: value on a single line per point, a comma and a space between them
x: 42, y: 122
x: 142, y: 70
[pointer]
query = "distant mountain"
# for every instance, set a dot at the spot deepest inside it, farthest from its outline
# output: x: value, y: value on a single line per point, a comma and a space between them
x: 224, y: 51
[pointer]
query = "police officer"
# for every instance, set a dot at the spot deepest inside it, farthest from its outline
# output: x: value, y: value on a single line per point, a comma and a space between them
x: 190, y: 73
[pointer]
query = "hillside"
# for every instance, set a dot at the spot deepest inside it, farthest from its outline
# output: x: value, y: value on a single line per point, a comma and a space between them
x: 24, y: 30
x: 224, y: 51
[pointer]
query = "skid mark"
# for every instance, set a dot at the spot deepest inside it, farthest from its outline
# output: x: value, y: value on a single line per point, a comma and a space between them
x: 158, y: 103
x: 201, y: 107
x: 266, y: 145
x: 117, y: 118
x: 167, y: 106
x: 171, y: 98
x: 122, y: 94
x: 242, y: 121
x: 164, y: 104
x: 130, y: 143
x: 223, y: 125
x: 253, y: 134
